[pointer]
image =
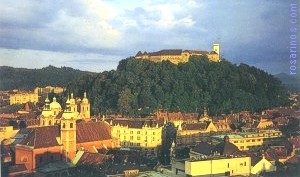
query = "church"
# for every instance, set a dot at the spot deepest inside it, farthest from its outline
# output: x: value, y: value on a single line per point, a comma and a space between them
x: 61, y: 136
x: 76, y: 109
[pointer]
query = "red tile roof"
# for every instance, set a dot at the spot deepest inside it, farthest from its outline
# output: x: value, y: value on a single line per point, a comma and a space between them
x: 195, y: 126
x: 92, y: 159
x: 41, y: 137
x: 92, y: 131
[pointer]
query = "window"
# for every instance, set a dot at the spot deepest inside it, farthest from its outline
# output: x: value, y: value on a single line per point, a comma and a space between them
x: 64, y: 125
x: 153, y: 133
x: 138, y: 132
x: 124, y: 137
x: 248, y: 141
x: 71, y: 125
x: 242, y: 147
x: 131, y: 132
x: 235, y: 141
x: 227, y: 165
x: 131, y: 137
x: 244, y: 163
x: 138, y: 138
x: 253, y: 140
x: 49, y: 122
x: 153, y: 139
x: 43, y: 122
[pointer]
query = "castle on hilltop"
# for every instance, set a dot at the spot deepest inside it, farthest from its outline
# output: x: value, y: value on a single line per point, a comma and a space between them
x: 180, y: 56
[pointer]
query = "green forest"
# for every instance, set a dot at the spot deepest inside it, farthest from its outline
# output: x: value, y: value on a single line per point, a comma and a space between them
x: 139, y: 87
x: 28, y: 79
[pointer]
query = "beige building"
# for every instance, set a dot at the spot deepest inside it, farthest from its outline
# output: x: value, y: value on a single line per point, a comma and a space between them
x: 180, y: 56
x: 248, y: 140
x: 218, y: 165
x: 137, y: 133
x: 23, y: 97
x: 49, y: 89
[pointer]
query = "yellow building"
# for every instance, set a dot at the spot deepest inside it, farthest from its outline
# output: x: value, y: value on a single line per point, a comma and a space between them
x: 179, y: 56
x: 248, y: 140
x: 137, y: 133
x: 49, y: 89
x: 23, y: 97
x: 218, y: 165
x: 7, y: 132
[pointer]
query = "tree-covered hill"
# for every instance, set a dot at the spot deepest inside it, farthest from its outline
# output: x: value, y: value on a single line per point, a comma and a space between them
x: 28, y: 79
x: 141, y: 86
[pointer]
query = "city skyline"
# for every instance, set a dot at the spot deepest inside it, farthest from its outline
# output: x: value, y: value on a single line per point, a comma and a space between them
x: 95, y: 35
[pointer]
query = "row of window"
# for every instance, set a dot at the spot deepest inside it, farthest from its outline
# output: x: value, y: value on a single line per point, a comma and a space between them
x: 137, y: 138
x: 138, y: 132
x: 242, y: 141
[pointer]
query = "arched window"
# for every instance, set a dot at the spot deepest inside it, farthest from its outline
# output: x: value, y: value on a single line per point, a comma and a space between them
x: 64, y: 125
x: 50, y: 122
x: 43, y: 122
x: 71, y: 125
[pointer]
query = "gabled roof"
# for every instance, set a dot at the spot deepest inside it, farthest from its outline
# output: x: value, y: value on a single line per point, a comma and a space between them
x: 92, y: 159
x: 92, y: 131
x: 203, y: 148
x: 195, y: 126
x: 226, y: 148
x: 41, y: 137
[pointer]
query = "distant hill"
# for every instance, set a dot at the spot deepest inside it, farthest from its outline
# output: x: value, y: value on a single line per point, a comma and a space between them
x: 142, y: 86
x: 28, y: 79
x: 292, y: 82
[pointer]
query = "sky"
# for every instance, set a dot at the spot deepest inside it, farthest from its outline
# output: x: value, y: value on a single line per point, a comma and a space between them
x: 94, y: 35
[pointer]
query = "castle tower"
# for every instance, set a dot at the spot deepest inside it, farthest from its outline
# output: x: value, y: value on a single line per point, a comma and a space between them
x: 216, y: 49
x: 73, y: 104
x: 68, y: 132
x: 85, y: 108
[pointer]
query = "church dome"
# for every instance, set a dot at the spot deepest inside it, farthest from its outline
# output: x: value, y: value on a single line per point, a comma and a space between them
x: 55, y: 104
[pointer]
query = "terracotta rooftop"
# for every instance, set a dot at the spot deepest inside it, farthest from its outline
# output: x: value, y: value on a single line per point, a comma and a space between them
x: 195, y: 126
x: 92, y: 159
x: 41, y: 137
x: 92, y: 131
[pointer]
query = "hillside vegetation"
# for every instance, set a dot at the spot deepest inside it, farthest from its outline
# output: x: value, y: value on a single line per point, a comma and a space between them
x: 28, y: 79
x: 141, y: 87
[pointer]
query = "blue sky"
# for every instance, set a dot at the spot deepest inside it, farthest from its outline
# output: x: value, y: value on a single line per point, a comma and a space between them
x: 95, y: 35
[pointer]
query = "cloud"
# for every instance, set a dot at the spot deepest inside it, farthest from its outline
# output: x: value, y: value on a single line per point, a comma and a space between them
x: 249, y: 31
